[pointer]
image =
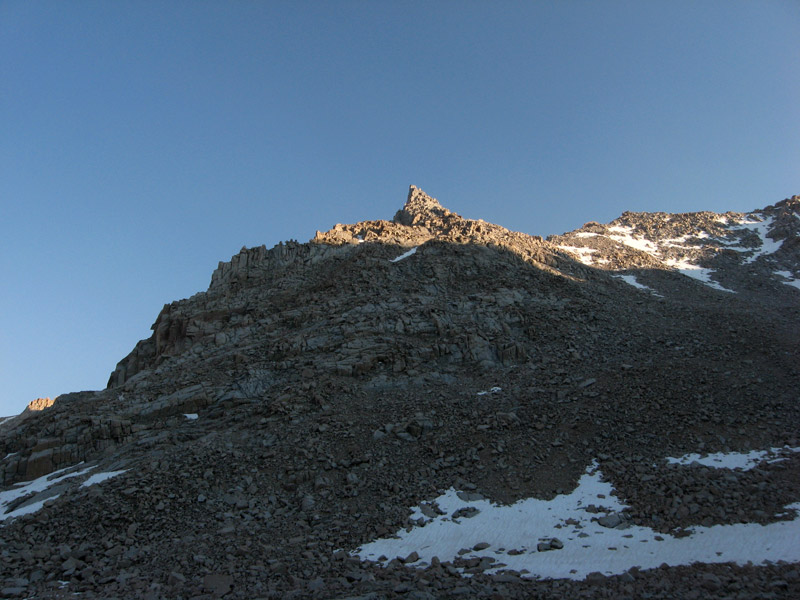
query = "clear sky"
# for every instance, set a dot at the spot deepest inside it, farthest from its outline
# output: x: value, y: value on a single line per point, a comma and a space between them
x: 141, y: 142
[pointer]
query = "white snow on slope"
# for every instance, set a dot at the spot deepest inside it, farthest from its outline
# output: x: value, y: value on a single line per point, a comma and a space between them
x: 731, y: 460
x: 404, y: 255
x: 40, y: 484
x: 584, y: 254
x: 686, y: 265
x: 20, y: 490
x: 99, y: 477
x: 624, y: 235
x: 768, y: 245
x: 631, y: 280
x: 27, y: 508
x: 679, y: 242
x: 699, y: 273
x: 587, y: 546
x: 790, y: 277
x: 493, y: 390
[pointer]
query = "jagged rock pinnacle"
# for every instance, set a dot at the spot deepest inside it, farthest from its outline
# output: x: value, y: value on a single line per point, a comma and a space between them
x: 420, y: 209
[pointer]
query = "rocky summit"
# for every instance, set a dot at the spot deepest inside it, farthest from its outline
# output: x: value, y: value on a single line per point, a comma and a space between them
x: 396, y: 408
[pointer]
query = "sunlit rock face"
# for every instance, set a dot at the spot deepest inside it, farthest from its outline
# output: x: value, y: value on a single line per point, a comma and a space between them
x: 323, y: 396
x: 40, y: 404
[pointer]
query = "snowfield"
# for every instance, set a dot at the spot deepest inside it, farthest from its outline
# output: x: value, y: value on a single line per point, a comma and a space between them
x: 560, y: 538
x: 36, y: 487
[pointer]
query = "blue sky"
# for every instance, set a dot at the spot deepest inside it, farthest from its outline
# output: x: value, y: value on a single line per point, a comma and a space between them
x: 142, y: 142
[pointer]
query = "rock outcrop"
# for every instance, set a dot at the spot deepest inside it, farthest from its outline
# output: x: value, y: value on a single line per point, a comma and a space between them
x: 40, y: 404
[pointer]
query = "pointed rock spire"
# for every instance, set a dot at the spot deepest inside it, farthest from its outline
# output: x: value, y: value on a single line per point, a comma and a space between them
x: 421, y: 209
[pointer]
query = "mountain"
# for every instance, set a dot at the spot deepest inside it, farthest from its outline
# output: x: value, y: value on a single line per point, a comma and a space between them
x: 327, y: 414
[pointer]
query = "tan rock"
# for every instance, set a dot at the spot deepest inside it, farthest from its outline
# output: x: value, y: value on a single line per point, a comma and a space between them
x: 40, y: 404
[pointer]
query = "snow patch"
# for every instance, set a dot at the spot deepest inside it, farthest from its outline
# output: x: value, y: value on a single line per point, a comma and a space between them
x: 761, y: 228
x: 28, y: 508
x: 493, y: 390
x: 99, y: 477
x: 731, y: 460
x: 584, y: 254
x: 631, y: 280
x: 625, y: 236
x: 701, y: 274
x: 25, y: 488
x: 41, y: 484
x: 404, y: 255
x: 790, y: 278
x: 463, y: 522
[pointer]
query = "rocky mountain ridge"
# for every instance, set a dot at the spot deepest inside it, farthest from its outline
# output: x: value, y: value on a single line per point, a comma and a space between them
x: 709, y: 247
x: 315, y: 392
